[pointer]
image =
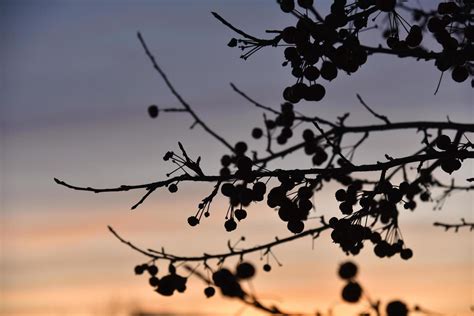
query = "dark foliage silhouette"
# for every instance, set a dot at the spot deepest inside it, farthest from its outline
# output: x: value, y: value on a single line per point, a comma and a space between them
x: 318, y: 49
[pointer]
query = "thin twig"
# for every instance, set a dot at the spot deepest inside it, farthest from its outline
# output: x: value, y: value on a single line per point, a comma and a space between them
x: 382, y: 117
x: 178, y: 96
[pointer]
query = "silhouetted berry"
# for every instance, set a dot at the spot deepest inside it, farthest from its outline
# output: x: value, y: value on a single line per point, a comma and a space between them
x: 443, y: 142
x: 385, y: 5
x: 328, y: 71
x: 308, y: 135
x: 153, y: 111
x: 209, y: 291
x: 240, y: 148
x: 259, y: 188
x: 394, y: 195
x: 396, y: 308
x: 257, y: 133
x: 139, y: 269
x: 287, y: 5
x: 375, y: 237
x: 340, y: 195
x: 450, y: 165
x: 414, y: 37
x: 333, y: 222
x: 406, y: 254
x: 315, y: 92
x: 173, y: 188
x: 347, y: 270
x: 305, y: 193
x: 345, y: 208
x: 267, y: 267
x: 425, y: 196
x: 460, y: 73
x: 154, y: 281
x: 352, y: 292
x: 295, y: 227
x: 245, y: 270
x: 244, y: 163
x: 306, y: 4
x: 230, y: 225
x: 193, y: 220
x: 240, y: 214
x: 227, y: 189
x: 311, y: 73
x: 153, y: 270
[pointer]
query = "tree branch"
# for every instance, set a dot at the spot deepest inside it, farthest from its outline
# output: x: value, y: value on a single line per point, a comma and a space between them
x: 180, y: 99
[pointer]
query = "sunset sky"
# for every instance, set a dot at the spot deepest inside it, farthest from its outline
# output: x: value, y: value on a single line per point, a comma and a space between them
x: 74, y: 88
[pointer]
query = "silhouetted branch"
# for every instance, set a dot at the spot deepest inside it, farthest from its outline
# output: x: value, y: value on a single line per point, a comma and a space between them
x: 455, y: 227
x: 160, y: 254
x: 382, y: 117
x: 261, y: 174
x: 341, y: 130
x: 261, y: 42
x: 178, y: 96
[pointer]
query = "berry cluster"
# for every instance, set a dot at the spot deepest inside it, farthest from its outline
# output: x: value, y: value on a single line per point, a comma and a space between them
x: 449, y: 165
x: 452, y: 29
x: 293, y: 210
x: 165, y: 285
x: 320, y: 47
x: 229, y: 283
x: 350, y: 234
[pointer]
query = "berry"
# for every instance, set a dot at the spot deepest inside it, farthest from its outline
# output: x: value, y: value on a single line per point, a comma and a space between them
x: 153, y: 270
x: 308, y: 135
x: 227, y: 189
x: 315, y: 92
x: 333, y: 222
x: 259, y: 188
x: 295, y: 227
x: 352, y: 292
x: 240, y: 214
x: 345, y: 208
x: 341, y: 195
x: 347, y: 270
x: 173, y: 188
x: 305, y: 4
x: 230, y: 225
x: 328, y: 71
x: 267, y: 267
x: 443, y: 142
x: 287, y: 5
x: 193, y: 221
x: 240, y: 148
x: 396, y: 308
x: 305, y: 193
x: 226, y: 160
x: 153, y: 111
x: 385, y: 5
x: 154, y: 281
x: 311, y: 73
x: 459, y: 73
x: 257, y: 133
x: 209, y: 291
x: 139, y: 269
x: 245, y: 270
x: 406, y: 253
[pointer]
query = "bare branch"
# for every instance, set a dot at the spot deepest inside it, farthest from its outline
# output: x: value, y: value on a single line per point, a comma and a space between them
x: 455, y: 227
x: 178, y: 96
x: 382, y: 117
